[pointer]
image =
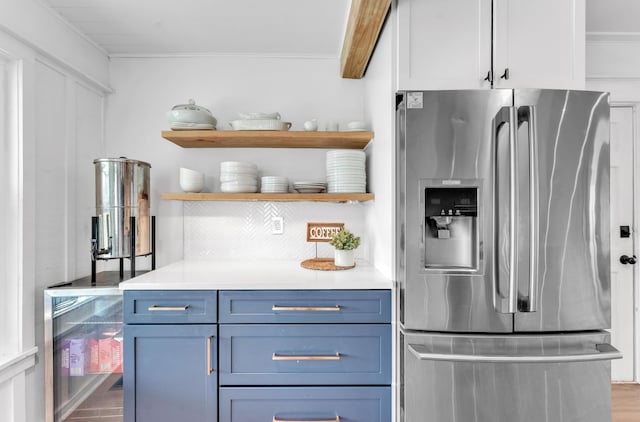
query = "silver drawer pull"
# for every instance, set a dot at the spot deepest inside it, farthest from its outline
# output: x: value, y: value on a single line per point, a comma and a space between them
x: 276, y: 356
x: 168, y: 308
x: 306, y: 308
x: 336, y: 419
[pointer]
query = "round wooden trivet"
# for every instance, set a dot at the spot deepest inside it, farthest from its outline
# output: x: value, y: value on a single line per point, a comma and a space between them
x: 322, y: 264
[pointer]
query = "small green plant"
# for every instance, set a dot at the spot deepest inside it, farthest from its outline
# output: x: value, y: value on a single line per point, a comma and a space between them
x: 344, y: 240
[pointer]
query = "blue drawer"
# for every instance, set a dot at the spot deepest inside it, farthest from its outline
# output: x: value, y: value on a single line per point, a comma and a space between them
x: 352, y: 404
x: 297, y: 354
x: 305, y: 306
x: 169, y: 307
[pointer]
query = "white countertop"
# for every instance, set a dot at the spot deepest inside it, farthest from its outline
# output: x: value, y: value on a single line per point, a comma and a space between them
x: 206, y: 274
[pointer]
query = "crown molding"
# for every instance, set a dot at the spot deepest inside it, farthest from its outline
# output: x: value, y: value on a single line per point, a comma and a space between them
x: 613, y: 37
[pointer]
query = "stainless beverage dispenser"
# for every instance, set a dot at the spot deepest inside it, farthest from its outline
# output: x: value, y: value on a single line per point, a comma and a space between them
x: 122, y: 227
x: 451, y: 238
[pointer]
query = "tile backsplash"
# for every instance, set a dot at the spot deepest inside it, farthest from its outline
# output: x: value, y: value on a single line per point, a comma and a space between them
x: 242, y: 230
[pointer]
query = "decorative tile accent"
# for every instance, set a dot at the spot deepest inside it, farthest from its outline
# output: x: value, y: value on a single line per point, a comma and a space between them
x: 242, y: 230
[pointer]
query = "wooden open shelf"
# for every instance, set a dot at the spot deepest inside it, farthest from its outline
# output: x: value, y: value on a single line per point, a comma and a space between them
x: 267, y: 139
x: 269, y: 197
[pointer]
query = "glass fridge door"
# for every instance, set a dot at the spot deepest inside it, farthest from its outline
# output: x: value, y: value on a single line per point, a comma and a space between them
x: 83, y: 354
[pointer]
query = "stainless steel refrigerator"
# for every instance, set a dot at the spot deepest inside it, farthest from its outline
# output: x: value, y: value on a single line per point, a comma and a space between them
x: 503, y: 255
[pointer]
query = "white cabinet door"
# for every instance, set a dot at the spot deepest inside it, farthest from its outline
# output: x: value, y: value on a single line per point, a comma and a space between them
x: 443, y: 44
x: 541, y: 42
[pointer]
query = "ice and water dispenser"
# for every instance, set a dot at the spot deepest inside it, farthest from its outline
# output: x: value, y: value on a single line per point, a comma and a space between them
x: 451, y: 228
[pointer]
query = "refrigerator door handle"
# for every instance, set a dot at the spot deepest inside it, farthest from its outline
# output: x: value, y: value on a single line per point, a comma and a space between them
x: 602, y: 351
x: 526, y: 114
x: 506, y: 302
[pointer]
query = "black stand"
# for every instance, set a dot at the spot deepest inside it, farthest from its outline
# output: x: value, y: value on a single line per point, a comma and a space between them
x: 95, y: 253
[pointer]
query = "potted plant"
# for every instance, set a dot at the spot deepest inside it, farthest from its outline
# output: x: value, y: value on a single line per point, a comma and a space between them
x: 345, y: 242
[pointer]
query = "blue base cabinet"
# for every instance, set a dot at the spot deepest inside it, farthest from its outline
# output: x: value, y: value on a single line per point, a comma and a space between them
x: 305, y: 354
x: 170, y: 356
x: 279, y: 356
x: 326, y: 404
x: 319, y: 355
x: 170, y: 373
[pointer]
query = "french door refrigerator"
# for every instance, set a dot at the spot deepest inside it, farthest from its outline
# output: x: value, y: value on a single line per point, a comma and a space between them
x: 503, y: 255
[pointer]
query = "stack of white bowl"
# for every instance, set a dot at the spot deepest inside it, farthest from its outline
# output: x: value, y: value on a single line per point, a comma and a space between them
x: 346, y: 171
x: 237, y: 176
x: 274, y: 184
x: 191, y: 180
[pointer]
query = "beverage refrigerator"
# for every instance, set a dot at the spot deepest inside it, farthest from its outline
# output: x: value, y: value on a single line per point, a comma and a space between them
x: 503, y: 261
x: 83, y: 350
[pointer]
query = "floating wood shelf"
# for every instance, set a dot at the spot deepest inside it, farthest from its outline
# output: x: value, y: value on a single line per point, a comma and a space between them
x: 267, y: 139
x: 269, y: 197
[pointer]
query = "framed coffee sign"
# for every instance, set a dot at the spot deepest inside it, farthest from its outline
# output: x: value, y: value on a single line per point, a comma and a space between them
x: 322, y: 232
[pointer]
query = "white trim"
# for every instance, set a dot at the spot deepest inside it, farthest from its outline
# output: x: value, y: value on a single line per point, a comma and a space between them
x: 63, y: 64
x: 613, y: 37
x: 636, y: 238
x: 237, y: 55
x: 613, y: 77
x: 15, y: 365
x: 636, y: 241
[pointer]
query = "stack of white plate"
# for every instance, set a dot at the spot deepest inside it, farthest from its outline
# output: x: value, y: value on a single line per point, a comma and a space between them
x: 236, y: 176
x: 309, y: 187
x: 274, y: 184
x: 346, y: 171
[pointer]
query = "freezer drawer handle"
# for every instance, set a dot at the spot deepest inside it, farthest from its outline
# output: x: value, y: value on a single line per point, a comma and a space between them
x: 306, y: 308
x: 276, y: 356
x: 336, y: 419
x: 604, y: 352
x: 168, y: 308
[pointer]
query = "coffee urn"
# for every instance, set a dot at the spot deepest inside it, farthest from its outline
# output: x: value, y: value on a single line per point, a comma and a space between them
x: 122, y: 227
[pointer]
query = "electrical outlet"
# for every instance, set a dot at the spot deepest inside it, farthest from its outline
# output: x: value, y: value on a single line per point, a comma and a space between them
x: 277, y: 225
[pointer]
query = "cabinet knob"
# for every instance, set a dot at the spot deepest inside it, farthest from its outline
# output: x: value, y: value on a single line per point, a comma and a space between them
x: 489, y: 77
x: 505, y: 75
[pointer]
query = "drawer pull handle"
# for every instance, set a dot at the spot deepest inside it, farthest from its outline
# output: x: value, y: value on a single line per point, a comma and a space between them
x: 168, y: 308
x: 209, y: 368
x: 336, y: 419
x: 276, y: 356
x: 306, y: 308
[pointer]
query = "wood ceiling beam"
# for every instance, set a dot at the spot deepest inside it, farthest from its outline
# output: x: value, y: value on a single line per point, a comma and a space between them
x: 363, y: 28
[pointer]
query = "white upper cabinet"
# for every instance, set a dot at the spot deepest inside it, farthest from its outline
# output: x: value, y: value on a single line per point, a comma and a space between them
x: 450, y: 44
x: 444, y: 44
x: 541, y: 43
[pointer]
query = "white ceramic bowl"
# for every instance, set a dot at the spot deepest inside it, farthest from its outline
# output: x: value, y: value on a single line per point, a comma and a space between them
x: 237, y: 166
x: 191, y: 180
x: 191, y: 186
x: 232, y: 187
x: 259, y: 116
x: 238, y: 177
x: 191, y: 116
x: 357, y: 125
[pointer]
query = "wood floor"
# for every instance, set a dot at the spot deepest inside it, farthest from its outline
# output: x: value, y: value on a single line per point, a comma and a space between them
x: 625, y: 402
x: 106, y: 405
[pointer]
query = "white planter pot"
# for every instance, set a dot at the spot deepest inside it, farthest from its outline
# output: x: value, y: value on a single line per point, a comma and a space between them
x: 344, y: 258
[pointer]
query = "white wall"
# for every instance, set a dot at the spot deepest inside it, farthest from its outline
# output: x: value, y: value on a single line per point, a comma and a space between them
x: 61, y: 87
x: 380, y: 111
x: 69, y: 135
x: 298, y: 88
x: 614, y: 65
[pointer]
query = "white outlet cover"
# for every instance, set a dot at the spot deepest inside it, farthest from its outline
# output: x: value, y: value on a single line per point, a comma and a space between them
x: 277, y: 225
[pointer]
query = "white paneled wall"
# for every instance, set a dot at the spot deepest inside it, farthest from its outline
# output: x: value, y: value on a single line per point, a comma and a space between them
x: 69, y: 135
